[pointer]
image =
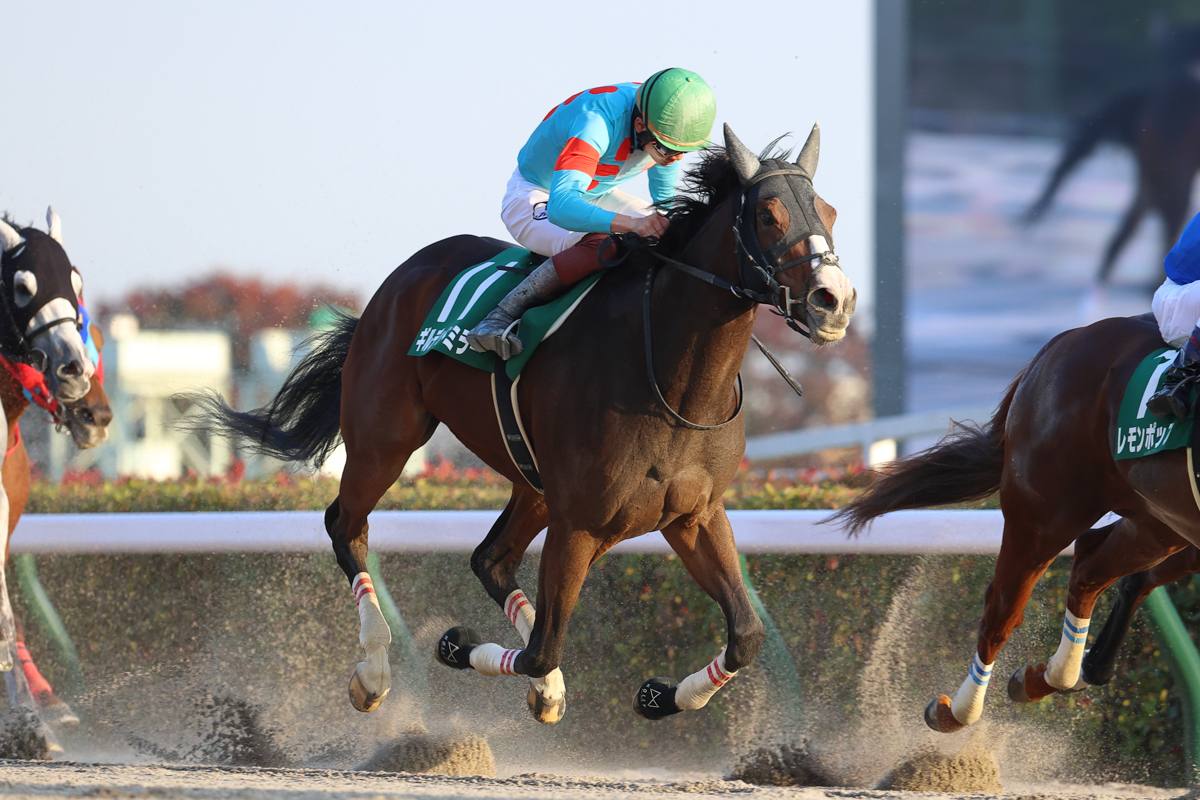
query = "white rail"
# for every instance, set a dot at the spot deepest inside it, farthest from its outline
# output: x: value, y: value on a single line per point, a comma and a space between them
x: 911, y: 532
x: 863, y: 434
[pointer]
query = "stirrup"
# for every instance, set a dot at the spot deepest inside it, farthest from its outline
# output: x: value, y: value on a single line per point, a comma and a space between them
x: 1172, y: 401
x: 489, y: 336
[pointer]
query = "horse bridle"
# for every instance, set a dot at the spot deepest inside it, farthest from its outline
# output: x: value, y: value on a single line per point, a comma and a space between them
x: 22, y: 349
x: 751, y: 260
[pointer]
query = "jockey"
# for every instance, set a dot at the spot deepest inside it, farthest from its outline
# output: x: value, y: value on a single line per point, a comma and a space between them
x: 1176, y: 306
x: 562, y: 200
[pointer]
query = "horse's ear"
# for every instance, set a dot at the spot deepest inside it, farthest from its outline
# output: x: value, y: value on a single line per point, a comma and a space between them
x: 744, y: 162
x: 54, y: 224
x: 9, y: 237
x: 807, y: 160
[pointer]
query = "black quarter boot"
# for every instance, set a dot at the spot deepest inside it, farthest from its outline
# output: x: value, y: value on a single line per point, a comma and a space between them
x: 497, y: 331
x: 1175, y: 398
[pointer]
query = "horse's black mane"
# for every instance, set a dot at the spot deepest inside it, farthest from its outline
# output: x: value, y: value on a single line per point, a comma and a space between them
x: 703, y: 188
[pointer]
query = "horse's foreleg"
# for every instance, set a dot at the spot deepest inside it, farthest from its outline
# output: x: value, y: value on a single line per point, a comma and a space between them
x: 565, y: 561
x: 1101, y: 557
x: 1132, y: 591
x: 710, y: 556
x: 495, y: 563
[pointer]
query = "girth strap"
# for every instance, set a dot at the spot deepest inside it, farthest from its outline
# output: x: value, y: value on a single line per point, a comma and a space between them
x: 504, y: 397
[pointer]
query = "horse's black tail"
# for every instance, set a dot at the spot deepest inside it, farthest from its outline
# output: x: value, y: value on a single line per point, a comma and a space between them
x: 303, y: 421
x: 964, y: 466
x: 1116, y: 122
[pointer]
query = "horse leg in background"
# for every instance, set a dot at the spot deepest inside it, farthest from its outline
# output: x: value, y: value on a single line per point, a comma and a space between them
x: 1101, y: 557
x: 708, y: 552
x: 380, y: 435
x: 565, y: 561
x: 1129, y: 222
x: 1024, y: 556
x: 1099, y: 662
x: 495, y: 563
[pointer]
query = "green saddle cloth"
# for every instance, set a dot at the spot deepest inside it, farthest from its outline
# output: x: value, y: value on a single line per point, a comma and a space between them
x: 1140, y: 433
x: 474, y: 294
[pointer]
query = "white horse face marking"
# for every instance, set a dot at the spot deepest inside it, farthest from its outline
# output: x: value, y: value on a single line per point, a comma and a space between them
x: 24, y: 288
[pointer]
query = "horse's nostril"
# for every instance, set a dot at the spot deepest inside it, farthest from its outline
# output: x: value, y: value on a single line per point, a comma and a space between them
x: 823, y: 298
x: 71, y: 370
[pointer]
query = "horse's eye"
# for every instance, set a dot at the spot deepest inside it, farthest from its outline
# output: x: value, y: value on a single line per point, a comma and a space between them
x: 765, y: 218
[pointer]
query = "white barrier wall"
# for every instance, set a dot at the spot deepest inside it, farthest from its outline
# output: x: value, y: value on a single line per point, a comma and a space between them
x: 904, y: 532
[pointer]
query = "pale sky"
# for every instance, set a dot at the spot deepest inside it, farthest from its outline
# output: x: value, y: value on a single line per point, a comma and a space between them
x: 331, y: 142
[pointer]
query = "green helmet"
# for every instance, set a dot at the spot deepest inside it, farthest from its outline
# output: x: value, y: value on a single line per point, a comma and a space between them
x: 678, y: 107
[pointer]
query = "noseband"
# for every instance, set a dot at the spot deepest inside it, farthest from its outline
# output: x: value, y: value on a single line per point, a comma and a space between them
x: 753, y: 263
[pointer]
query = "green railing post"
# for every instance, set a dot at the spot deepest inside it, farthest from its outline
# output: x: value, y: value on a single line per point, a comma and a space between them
x: 776, y: 657
x: 47, y: 617
x: 1181, y: 654
x: 402, y: 641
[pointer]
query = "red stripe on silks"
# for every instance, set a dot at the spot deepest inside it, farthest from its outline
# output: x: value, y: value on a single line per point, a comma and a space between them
x: 593, y: 185
x: 578, y: 155
x: 607, y: 170
x: 567, y: 102
x: 623, y: 150
x: 549, y: 113
x: 602, y: 90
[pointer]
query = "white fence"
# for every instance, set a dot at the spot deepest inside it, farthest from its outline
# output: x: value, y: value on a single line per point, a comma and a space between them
x: 904, y: 532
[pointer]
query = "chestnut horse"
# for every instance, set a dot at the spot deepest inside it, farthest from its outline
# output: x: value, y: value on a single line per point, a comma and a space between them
x: 87, y: 422
x: 40, y: 323
x: 618, y: 455
x: 1049, y: 450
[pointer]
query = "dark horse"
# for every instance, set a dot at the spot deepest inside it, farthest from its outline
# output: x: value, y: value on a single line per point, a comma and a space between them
x: 617, y: 458
x: 1160, y: 124
x: 1049, y: 451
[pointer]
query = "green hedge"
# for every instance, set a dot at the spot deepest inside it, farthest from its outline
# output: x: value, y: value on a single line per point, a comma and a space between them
x: 638, y: 616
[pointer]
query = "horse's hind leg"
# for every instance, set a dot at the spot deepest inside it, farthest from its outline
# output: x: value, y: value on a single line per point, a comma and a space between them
x: 495, y: 563
x: 1101, y: 557
x: 710, y: 556
x: 565, y: 561
x: 1025, y: 554
x: 381, y: 427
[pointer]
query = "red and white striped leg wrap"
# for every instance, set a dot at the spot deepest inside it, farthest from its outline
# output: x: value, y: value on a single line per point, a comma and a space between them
x: 373, y: 628
x: 698, y: 688
x: 37, y: 684
x: 520, y: 613
x: 492, y: 660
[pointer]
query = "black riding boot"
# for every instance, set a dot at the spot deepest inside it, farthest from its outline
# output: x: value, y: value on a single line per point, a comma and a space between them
x: 497, y: 331
x: 1175, y: 398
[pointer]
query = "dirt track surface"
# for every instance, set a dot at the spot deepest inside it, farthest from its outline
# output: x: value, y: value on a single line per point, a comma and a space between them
x: 70, y: 779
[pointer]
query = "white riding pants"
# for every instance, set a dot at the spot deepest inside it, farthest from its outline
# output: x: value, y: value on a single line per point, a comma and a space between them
x: 1177, y: 309
x: 524, y: 214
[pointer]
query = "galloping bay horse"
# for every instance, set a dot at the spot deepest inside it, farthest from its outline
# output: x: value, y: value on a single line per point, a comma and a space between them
x: 1049, y: 450
x: 618, y: 456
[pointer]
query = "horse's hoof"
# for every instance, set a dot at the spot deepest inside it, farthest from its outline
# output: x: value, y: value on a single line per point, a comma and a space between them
x: 544, y: 712
x: 455, y: 646
x: 1028, y: 684
x: 656, y: 699
x: 1016, y: 687
x: 940, y: 718
x: 360, y: 698
x: 57, y: 713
